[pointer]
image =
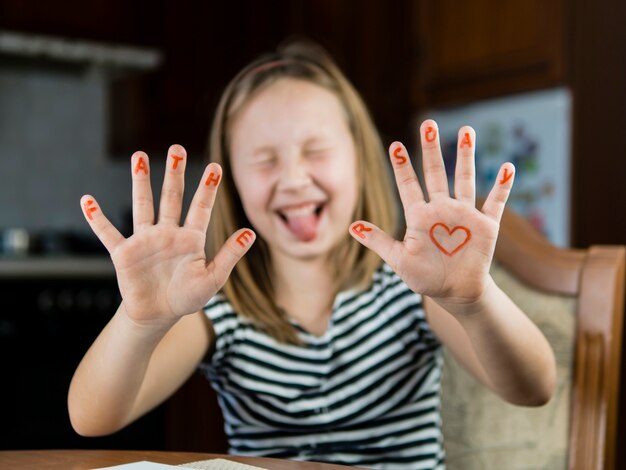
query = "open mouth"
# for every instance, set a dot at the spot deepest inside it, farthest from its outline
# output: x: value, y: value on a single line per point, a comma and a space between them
x: 303, y: 220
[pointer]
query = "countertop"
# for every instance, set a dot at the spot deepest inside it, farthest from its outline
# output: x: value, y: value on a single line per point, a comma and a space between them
x: 21, y: 267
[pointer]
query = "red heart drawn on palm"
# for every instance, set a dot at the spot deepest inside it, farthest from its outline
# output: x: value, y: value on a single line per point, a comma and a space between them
x: 446, y: 240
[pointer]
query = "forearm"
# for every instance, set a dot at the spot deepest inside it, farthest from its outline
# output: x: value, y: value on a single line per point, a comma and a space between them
x: 109, y: 377
x: 514, y: 354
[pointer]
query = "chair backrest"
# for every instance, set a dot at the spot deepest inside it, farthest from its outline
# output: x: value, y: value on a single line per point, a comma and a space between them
x: 577, y: 298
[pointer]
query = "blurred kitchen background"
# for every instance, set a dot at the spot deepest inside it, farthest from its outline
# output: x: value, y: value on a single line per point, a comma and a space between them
x: 83, y: 84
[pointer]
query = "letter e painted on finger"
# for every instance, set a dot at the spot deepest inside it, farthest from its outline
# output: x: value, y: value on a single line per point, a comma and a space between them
x: 244, y: 237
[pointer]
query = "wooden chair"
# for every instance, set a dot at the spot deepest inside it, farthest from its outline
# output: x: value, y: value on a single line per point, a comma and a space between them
x: 577, y: 299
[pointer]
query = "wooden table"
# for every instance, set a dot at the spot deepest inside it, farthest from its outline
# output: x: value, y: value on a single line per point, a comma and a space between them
x: 89, y: 459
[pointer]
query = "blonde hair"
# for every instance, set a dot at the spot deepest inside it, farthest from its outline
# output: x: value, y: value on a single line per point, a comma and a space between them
x: 249, y: 288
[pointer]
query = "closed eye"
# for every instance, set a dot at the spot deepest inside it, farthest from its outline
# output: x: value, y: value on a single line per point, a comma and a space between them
x: 316, y: 152
x: 267, y: 161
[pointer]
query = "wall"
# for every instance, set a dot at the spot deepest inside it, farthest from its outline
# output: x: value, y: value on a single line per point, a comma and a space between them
x: 53, y: 149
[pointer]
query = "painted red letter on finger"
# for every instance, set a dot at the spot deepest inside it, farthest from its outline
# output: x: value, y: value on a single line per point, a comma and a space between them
x: 89, y: 209
x: 176, y: 160
x: 141, y: 166
x: 401, y: 159
x: 430, y: 134
x: 359, y: 228
x: 506, y: 176
x: 466, y: 142
x: 243, y: 237
x: 213, y: 178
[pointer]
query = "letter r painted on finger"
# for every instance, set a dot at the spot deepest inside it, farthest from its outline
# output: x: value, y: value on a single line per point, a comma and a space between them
x: 244, y: 237
x: 359, y: 228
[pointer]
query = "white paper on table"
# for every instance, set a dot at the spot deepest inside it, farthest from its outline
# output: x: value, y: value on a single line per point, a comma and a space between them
x: 143, y: 465
x: 219, y: 464
x: 213, y: 464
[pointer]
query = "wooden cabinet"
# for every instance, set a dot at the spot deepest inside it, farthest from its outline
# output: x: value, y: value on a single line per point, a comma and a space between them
x: 204, y: 44
x: 113, y: 21
x: 485, y: 48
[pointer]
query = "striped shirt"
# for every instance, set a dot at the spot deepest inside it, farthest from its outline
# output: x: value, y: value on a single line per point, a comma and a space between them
x: 365, y: 393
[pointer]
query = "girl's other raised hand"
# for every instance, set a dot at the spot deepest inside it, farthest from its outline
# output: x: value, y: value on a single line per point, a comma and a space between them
x: 448, y: 245
x: 162, y: 270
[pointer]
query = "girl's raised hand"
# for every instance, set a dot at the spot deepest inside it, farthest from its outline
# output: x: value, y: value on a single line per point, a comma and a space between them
x: 448, y: 245
x: 162, y: 270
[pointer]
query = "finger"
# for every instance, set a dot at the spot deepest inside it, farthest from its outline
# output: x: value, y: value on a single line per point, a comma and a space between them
x: 465, y: 174
x: 375, y: 239
x: 406, y: 179
x: 104, y: 230
x: 173, y: 186
x: 201, y: 206
x: 143, y: 205
x: 229, y: 254
x: 494, y: 205
x: 432, y: 161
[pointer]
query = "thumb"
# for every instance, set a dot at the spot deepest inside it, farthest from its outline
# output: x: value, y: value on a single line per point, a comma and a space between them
x: 375, y: 239
x: 229, y: 254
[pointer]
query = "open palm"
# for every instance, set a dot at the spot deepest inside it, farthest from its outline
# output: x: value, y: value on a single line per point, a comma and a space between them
x: 448, y: 245
x: 162, y: 270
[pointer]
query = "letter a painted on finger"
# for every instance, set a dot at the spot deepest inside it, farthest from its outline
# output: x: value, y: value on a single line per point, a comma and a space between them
x: 467, y: 141
x: 141, y: 166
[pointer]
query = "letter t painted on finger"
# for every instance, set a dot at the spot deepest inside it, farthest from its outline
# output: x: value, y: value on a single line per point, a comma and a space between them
x: 176, y: 160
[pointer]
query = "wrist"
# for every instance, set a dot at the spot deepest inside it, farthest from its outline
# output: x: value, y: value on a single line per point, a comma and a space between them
x: 471, y: 307
x: 153, y: 329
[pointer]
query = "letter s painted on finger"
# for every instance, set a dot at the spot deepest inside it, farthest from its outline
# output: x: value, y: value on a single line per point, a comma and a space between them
x: 400, y: 159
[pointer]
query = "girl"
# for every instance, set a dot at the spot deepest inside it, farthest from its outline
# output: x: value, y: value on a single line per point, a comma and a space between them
x: 317, y: 349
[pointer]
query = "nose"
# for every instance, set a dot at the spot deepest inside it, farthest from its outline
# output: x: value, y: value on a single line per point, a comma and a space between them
x: 294, y: 175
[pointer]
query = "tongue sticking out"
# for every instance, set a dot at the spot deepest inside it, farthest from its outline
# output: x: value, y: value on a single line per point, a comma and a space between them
x: 303, y: 226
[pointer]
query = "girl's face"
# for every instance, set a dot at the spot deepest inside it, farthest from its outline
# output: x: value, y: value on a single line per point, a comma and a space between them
x: 294, y: 166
